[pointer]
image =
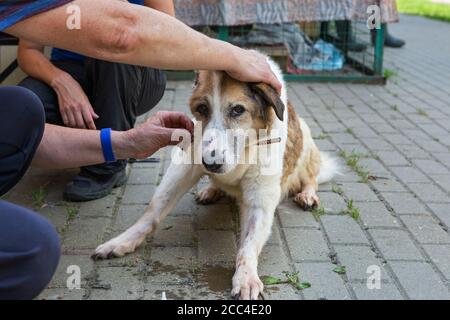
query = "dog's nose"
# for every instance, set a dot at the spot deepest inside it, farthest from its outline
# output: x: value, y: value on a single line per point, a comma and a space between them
x: 212, y: 167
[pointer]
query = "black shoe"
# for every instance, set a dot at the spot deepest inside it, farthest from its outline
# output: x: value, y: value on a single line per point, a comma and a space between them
x: 393, y: 42
x: 346, y: 39
x: 90, y: 184
x: 389, y: 40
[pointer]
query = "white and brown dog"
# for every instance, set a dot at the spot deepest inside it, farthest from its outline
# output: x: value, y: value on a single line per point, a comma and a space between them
x: 221, y: 103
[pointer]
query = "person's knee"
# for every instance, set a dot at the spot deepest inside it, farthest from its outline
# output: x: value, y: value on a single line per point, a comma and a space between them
x: 33, y: 254
x: 30, y: 108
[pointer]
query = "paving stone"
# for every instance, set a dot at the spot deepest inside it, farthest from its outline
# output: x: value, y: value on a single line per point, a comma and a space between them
x: 292, y: 216
x: 127, y: 215
x: 85, y: 233
x: 221, y: 250
x: 124, y: 284
x: 426, y: 230
x: 357, y: 259
x: 83, y: 262
x: 215, y: 217
x: 154, y: 291
x: 144, y: 176
x: 388, y: 185
x: 442, y: 180
x: 442, y: 211
x: 431, y: 166
x: 377, y: 144
x: 332, y: 202
x: 428, y: 192
x: 273, y: 261
x: 375, y: 214
x: 392, y: 158
x: 420, y: 281
x: 62, y: 294
x: 175, y: 231
x: 395, y: 244
x: 440, y: 255
x: 103, y: 207
x: 359, y: 192
x: 410, y: 175
x: 325, y: 284
x: 136, y: 194
x: 305, y: 244
x: 387, y: 291
x: 404, y: 203
x: 57, y: 215
x: 343, y: 229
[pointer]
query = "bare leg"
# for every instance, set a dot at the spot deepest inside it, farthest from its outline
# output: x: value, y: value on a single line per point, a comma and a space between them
x: 176, y: 182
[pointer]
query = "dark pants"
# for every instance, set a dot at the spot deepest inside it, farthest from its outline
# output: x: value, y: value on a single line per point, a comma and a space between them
x: 29, y: 245
x: 118, y: 93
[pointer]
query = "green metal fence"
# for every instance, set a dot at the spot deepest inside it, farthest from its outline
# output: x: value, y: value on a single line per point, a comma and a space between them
x: 360, y: 49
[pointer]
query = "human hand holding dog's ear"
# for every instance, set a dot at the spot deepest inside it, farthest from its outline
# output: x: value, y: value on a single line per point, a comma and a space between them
x: 157, y: 132
x: 252, y: 66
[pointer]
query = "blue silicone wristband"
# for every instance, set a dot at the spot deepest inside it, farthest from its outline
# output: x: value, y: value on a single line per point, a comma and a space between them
x: 105, y: 138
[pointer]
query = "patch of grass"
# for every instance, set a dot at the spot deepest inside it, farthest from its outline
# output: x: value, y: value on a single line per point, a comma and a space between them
x: 388, y: 73
x: 340, y: 270
x: 38, y: 198
x: 394, y: 108
x: 321, y: 136
x: 337, y: 189
x: 292, y: 278
x: 318, y: 212
x: 349, y: 130
x: 425, y: 8
x: 352, y: 160
x: 351, y: 210
x: 422, y: 112
x: 71, y: 213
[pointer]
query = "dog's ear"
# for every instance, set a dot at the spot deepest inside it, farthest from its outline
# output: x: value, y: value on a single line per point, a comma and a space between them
x: 269, y: 98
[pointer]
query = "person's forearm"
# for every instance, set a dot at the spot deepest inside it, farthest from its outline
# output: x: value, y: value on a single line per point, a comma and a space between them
x: 63, y: 147
x: 121, y: 32
x: 35, y: 64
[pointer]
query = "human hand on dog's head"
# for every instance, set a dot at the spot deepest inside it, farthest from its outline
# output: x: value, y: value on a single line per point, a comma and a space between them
x: 253, y: 66
x: 157, y: 132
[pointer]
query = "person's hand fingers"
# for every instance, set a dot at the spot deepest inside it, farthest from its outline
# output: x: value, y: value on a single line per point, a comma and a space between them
x: 71, y: 119
x: 65, y: 119
x: 92, y: 112
x: 172, y: 119
x: 79, y: 120
x: 88, y: 120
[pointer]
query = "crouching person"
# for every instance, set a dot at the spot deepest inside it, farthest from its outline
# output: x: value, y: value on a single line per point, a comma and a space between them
x: 86, y: 93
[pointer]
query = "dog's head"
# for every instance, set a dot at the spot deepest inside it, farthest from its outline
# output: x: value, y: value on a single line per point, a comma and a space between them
x: 226, y: 108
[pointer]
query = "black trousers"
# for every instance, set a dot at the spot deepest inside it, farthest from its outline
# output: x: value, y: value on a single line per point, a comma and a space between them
x: 119, y: 93
x: 29, y: 245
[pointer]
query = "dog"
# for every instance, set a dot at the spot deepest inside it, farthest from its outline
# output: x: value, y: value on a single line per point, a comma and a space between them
x: 221, y: 103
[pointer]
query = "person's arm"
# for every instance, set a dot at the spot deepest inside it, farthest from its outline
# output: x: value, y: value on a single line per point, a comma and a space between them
x: 63, y: 147
x: 165, y: 6
x: 125, y: 33
x: 76, y: 110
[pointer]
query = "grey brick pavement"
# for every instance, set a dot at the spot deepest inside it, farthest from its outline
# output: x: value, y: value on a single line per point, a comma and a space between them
x: 402, y: 131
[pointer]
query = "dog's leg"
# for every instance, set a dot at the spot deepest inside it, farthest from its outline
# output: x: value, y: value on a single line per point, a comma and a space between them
x: 257, y: 212
x: 308, y: 199
x: 209, y: 194
x: 178, y: 179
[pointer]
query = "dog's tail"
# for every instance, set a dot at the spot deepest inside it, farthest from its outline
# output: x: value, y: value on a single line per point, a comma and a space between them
x: 328, y: 168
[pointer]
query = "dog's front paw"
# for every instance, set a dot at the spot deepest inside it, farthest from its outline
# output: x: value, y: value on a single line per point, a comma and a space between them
x: 307, y: 200
x: 246, y: 285
x: 209, y: 195
x: 116, y: 247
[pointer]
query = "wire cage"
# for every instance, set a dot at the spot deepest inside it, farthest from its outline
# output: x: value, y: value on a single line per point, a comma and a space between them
x: 314, y: 51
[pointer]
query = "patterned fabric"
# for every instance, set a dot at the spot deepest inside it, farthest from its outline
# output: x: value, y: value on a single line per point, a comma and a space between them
x: 239, y: 12
x: 13, y: 11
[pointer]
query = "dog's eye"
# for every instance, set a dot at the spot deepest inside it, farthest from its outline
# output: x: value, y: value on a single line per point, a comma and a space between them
x: 202, y: 109
x: 237, y: 110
